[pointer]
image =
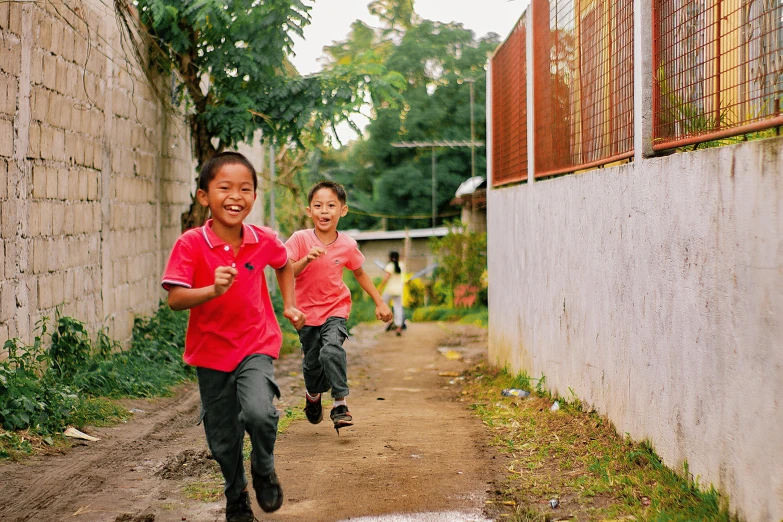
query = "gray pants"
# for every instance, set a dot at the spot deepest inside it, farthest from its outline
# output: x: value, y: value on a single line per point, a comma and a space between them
x: 325, y: 365
x: 235, y: 402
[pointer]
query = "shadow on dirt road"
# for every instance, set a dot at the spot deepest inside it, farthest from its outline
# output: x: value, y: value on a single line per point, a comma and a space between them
x: 415, y: 448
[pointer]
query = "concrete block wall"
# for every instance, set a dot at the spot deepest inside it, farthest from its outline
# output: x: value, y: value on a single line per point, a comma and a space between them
x: 94, y: 174
x: 653, y: 291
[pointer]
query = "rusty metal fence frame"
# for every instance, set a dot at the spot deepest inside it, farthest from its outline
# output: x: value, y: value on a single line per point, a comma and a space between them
x: 509, y: 108
x: 718, y: 69
x: 583, y: 63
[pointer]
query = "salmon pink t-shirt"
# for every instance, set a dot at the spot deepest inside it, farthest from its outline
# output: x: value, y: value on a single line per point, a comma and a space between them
x: 241, y: 322
x: 320, y: 291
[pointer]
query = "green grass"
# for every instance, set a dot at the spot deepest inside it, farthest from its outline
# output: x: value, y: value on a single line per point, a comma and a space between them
x: 578, y: 458
x: 477, y: 316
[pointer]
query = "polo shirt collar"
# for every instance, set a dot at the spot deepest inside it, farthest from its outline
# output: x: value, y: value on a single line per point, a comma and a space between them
x: 249, y: 235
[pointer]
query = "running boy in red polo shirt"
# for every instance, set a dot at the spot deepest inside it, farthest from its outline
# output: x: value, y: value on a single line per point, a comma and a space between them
x: 217, y: 271
x: 319, y: 255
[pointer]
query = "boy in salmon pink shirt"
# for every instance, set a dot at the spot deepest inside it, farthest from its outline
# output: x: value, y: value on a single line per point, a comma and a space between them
x: 217, y: 272
x: 319, y: 256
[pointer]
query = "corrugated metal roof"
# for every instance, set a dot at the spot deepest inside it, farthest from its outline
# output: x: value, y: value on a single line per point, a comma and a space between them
x: 359, y: 235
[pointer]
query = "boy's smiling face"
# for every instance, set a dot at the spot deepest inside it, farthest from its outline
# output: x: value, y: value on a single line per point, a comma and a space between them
x: 230, y: 196
x: 326, y: 210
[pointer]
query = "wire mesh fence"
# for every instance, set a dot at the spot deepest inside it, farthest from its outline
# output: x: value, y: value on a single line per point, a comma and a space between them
x: 718, y: 69
x: 583, y: 63
x: 509, y: 109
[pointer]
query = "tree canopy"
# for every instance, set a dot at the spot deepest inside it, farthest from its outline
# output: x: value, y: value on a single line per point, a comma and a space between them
x: 437, y: 61
x: 229, y: 63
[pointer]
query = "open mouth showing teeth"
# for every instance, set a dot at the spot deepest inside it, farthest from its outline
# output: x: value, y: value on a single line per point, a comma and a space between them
x: 234, y: 208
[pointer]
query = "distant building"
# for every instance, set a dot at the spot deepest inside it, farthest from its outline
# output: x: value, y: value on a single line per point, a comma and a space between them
x: 376, y: 247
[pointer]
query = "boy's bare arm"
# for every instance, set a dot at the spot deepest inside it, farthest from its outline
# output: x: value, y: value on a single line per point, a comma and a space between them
x: 382, y: 311
x: 312, y: 255
x: 181, y: 298
x: 285, y: 280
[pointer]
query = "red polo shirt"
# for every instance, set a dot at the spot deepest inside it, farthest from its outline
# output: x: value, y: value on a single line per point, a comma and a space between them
x: 241, y: 322
x: 320, y: 290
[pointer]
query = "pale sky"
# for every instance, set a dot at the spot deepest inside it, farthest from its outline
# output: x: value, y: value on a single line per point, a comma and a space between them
x: 331, y: 21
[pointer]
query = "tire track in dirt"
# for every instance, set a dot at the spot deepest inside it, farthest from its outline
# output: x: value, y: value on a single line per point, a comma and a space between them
x: 94, y: 479
x: 417, y: 450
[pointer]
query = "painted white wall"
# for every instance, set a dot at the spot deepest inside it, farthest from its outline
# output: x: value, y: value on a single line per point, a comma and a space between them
x: 654, y: 291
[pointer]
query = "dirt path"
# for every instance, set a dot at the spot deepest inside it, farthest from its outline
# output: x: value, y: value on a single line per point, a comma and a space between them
x: 415, y: 447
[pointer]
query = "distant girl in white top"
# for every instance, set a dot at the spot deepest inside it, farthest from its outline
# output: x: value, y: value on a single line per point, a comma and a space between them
x: 392, y: 288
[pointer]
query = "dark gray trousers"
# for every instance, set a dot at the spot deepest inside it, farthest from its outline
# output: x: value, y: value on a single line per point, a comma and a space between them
x: 235, y: 402
x: 325, y: 364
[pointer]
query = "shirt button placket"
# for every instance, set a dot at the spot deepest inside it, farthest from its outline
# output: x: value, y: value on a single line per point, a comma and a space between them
x: 227, y: 248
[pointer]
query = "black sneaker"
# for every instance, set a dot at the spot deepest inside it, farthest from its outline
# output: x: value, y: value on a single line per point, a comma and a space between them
x: 269, y: 494
x: 341, y: 417
x: 313, y: 410
x: 239, y: 510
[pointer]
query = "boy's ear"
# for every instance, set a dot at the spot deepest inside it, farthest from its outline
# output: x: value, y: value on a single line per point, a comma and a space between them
x: 201, y: 196
x: 344, y: 211
x: 309, y: 212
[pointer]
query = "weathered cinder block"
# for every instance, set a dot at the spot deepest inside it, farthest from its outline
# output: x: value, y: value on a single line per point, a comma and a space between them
x: 68, y: 281
x: 7, y: 141
x: 57, y: 221
x: 62, y: 182
x: 40, y: 250
x: 51, y: 182
x: 36, y: 66
x: 34, y: 147
x: 58, y: 287
x: 9, y: 259
x: 4, y: 14
x: 62, y: 113
x: 3, y: 179
x: 57, y: 252
x: 39, y: 181
x: 73, y: 185
x: 50, y: 71
x: 34, y: 221
x: 57, y: 36
x: 61, y: 81
x: 47, y: 138
x: 80, y: 52
x: 7, y: 301
x: 48, y: 215
x: 45, y: 292
x: 66, y: 49
x: 15, y: 18
x: 4, y: 336
x: 10, y: 56
x: 39, y: 103
x: 93, y: 184
x: 9, y: 219
x: 7, y: 95
x: 84, y: 190
x: 58, y: 145
x: 97, y: 154
x: 67, y: 216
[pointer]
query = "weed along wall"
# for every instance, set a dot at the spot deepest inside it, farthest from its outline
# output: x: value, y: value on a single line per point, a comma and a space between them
x: 654, y: 291
x: 94, y: 175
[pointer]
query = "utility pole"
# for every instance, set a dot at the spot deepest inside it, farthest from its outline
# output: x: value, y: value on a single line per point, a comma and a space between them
x: 471, y: 81
x: 432, y: 145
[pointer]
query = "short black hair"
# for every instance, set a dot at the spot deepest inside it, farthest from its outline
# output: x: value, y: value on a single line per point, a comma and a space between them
x: 338, y: 190
x: 213, y: 165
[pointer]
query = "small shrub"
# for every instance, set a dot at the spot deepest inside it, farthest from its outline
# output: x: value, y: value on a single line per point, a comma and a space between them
x: 478, y: 316
x: 71, y: 347
x: 415, y: 294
